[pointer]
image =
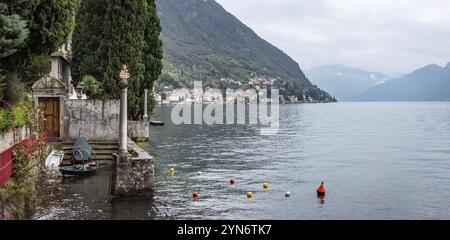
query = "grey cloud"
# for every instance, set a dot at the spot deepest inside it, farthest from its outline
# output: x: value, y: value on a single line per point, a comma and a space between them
x: 380, y: 35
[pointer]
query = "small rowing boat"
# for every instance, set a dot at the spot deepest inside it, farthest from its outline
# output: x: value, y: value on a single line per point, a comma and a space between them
x: 82, y: 152
x: 77, y: 170
x: 156, y: 123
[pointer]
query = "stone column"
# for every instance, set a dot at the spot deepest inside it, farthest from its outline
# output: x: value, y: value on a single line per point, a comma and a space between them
x: 123, y: 125
x: 145, y: 104
x: 132, y: 176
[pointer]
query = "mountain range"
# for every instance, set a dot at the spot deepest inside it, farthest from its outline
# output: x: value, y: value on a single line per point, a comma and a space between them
x: 344, y: 83
x: 430, y: 83
x: 202, y: 41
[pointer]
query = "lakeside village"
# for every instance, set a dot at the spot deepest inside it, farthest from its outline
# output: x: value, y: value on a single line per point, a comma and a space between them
x: 259, y: 84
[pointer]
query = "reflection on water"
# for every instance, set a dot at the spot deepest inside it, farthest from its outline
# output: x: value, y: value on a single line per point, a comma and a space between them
x: 321, y: 199
x: 378, y: 160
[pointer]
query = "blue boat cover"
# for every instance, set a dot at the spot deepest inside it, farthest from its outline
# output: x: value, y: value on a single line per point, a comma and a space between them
x: 82, y: 151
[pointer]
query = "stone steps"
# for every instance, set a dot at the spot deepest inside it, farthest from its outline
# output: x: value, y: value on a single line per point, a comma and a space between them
x: 96, y: 148
x: 102, y: 151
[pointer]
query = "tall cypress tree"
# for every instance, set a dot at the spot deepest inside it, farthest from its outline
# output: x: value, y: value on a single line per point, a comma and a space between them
x: 153, y: 52
x: 111, y: 33
x: 87, y: 43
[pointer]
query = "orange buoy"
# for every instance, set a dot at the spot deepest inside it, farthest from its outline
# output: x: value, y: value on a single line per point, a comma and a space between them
x: 195, y: 194
x: 232, y: 181
x: 321, y: 190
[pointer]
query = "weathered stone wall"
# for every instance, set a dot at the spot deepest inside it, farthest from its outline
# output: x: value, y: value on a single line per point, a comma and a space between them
x: 98, y: 120
x: 95, y: 120
x: 138, y: 129
x: 7, y: 138
x: 133, y: 177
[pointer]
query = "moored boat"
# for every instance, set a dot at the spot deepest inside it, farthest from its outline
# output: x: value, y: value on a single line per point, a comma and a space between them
x: 77, y: 170
x: 156, y: 123
x: 82, y: 152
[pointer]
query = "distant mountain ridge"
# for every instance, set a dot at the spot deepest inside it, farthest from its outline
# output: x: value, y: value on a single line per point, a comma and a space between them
x: 202, y: 41
x: 344, y: 83
x: 430, y: 83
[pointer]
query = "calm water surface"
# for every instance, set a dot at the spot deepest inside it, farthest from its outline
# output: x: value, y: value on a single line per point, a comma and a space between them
x: 378, y: 161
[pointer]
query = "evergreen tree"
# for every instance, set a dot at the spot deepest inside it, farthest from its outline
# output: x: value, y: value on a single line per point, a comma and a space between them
x: 153, y: 52
x: 109, y: 34
x: 13, y: 32
x: 30, y: 30
x: 49, y: 24
x: 87, y: 45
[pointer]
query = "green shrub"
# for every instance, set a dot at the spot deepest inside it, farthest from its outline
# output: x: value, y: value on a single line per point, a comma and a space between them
x: 20, y: 116
x: 5, y: 120
x: 92, y: 87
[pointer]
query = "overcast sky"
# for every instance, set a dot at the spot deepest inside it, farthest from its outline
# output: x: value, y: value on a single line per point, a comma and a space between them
x: 389, y: 36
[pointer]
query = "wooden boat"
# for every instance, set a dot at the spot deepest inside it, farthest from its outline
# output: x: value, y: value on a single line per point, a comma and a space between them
x: 156, y: 123
x: 77, y: 170
x: 82, y: 153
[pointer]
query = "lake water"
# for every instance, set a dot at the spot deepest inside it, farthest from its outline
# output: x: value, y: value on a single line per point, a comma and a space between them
x: 378, y: 161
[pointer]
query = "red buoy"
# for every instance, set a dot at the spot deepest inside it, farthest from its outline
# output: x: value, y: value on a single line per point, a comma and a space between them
x: 195, y: 194
x: 232, y: 181
x: 321, y: 190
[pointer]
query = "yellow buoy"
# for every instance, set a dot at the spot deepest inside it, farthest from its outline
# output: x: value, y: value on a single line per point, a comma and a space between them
x: 172, y: 171
x: 266, y: 185
x: 249, y: 194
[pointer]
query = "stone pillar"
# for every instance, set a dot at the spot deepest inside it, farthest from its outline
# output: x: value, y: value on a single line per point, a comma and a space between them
x: 132, y: 175
x: 123, y: 125
x: 145, y: 104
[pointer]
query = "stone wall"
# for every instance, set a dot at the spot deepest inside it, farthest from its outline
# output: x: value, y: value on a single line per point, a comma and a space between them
x: 138, y: 129
x: 96, y: 120
x: 133, y: 177
x: 7, y: 138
